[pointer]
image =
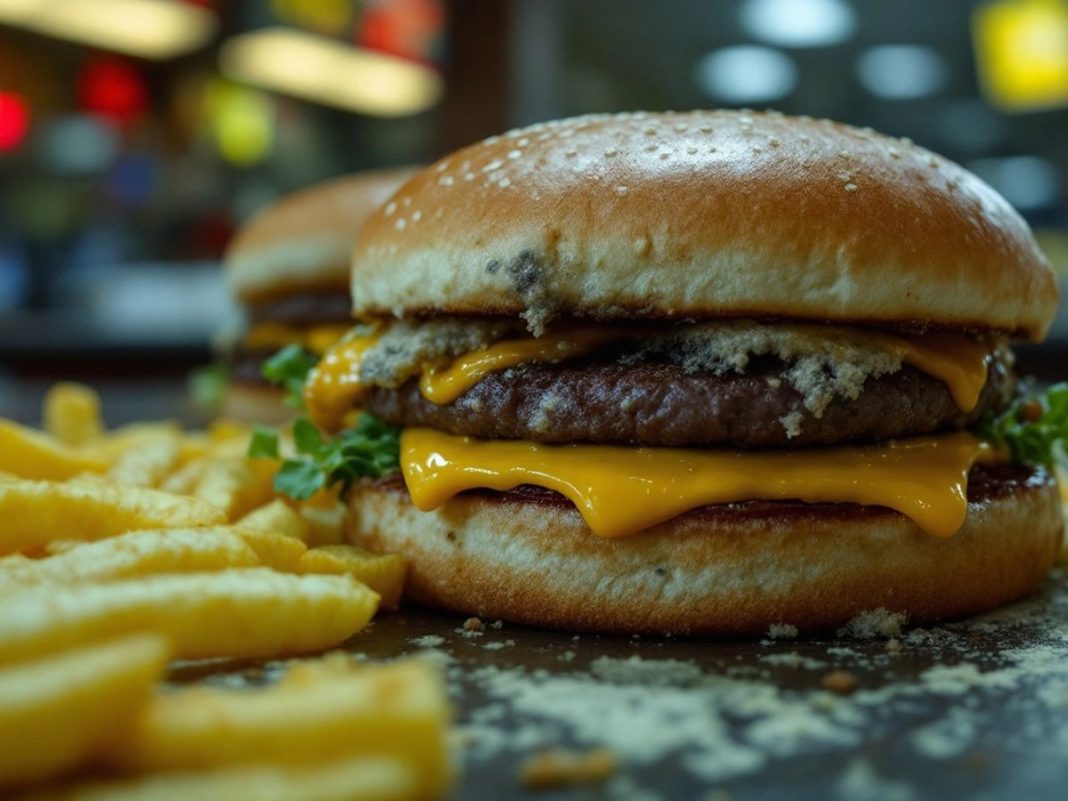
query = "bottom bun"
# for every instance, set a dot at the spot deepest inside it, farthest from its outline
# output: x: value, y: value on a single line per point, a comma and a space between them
x: 527, y: 557
x: 256, y: 403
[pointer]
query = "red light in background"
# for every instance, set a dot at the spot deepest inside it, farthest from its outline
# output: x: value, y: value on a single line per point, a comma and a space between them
x: 14, y: 120
x: 113, y: 88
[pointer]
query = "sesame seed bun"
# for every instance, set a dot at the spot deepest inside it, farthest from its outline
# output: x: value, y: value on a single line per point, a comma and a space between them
x: 728, y: 570
x: 704, y: 214
x: 304, y: 241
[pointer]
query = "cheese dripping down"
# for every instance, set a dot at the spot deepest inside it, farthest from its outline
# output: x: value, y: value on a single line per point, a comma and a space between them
x: 620, y: 491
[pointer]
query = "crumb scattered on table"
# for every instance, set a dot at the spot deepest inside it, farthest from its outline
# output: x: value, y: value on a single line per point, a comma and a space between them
x: 563, y: 767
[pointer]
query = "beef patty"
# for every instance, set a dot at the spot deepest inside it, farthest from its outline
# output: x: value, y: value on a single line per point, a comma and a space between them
x: 660, y: 404
x: 308, y: 308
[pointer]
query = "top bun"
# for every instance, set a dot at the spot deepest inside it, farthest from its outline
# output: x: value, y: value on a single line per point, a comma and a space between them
x: 704, y: 214
x: 304, y: 241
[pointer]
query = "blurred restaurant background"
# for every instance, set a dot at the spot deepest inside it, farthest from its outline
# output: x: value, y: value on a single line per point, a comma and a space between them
x: 136, y: 135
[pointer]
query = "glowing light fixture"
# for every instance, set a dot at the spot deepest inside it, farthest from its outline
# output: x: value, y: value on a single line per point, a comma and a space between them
x: 153, y: 29
x: 242, y: 122
x: 746, y: 74
x: 1021, y: 49
x: 14, y: 120
x: 798, y: 23
x: 902, y: 72
x: 330, y: 72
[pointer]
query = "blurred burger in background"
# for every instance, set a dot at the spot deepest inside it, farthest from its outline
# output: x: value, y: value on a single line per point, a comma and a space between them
x: 289, y: 269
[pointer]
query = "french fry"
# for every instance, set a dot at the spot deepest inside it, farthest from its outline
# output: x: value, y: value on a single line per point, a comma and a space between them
x: 72, y: 414
x: 277, y: 517
x: 138, y: 553
x: 30, y: 454
x: 236, y: 485
x: 327, y: 524
x: 34, y: 512
x: 398, y: 711
x: 383, y: 573
x: 276, y: 551
x: 113, y: 444
x: 147, y: 464
x: 183, y: 480
x: 363, y: 779
x: 56, y: 713
x: 244, y: 612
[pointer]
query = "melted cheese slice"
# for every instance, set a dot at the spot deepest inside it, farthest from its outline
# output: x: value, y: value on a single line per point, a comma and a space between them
x: 958, y: 361
x: 620, y: 491
x: 317, y: 339
x: 333, y: 387
x: 446, y: 385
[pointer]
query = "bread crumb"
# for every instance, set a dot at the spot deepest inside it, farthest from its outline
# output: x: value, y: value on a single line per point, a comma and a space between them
x: 839, y: 681
x: 427, y: 641
x: 782, y: 631
x: 874, y: 623
x: 561, y: 768
x: 474, y: 624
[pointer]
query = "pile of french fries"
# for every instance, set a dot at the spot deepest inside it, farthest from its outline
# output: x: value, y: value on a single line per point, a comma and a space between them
x: 121, y: 551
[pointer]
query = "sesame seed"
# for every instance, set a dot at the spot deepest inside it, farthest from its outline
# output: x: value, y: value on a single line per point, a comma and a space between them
x: 893, y: 153
x: 515, y: 154
x: 665, y: 155
x: 400, y: 224
x: 851, y: 187
x: 523, y: 142
x: 469, y: 176
x: 571, y: 153
x: 905, y: 141
x: 773, y: 142
x: 496, y: 164
x: 406, y: 201
x: 491, y: 140
x: 691, y: 150
x: 442, y: 166
x: 446, y: 180
x: 705, y: 129
x: 504, y: 183
x: 650, y: 131
x: 650, y: 148
x: 932, y: 162
x: 611, y: 152
x: 622, y: 190
x: 390, y: 208
x: 417, y: 216
x: 681, y: 126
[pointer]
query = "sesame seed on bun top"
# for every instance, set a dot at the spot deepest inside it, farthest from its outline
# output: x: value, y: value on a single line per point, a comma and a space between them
x: 699, y: 215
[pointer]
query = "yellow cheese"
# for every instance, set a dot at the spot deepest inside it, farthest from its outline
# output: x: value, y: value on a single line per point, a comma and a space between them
x: 317, y: 339
x: 333, y: 387
x: 620, y: 491
x: 447, y: 384
x: 958, y: 361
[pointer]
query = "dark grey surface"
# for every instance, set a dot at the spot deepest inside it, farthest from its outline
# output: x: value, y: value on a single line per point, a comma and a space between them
x: 970, y: 710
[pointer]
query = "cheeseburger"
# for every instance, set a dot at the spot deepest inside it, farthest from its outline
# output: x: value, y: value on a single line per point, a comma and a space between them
x: 697, y: 373
x: 289, y: 269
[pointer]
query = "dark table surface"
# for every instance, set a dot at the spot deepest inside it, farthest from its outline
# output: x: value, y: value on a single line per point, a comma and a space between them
x: 969, y: 710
